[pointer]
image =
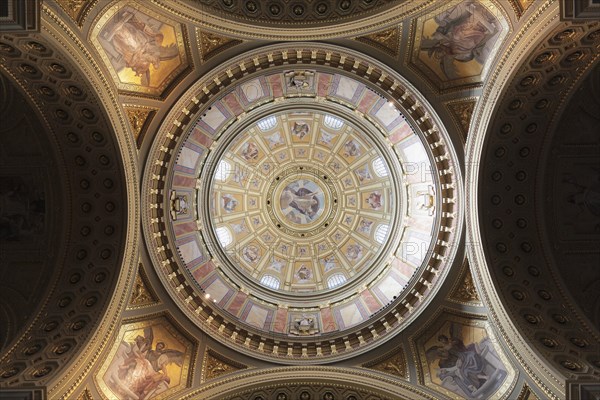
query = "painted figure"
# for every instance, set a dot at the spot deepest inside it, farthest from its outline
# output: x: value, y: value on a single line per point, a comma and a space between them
x: 249, y: 151
x: 301, y: 201
x: 229, y: 203
x: 303, y: 273
x: 365, y: 226
x: 472, y: 370
x: 139, y: 372
x: 251, y: 254
x: 354, y: 252
x: 463, y: 34
x: 363, y: 173
x: 351, y: 149
x: 139, y: 44
x: 374, y: 200
x: 300, y: 129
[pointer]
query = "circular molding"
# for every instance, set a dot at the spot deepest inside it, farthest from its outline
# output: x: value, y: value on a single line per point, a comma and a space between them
x: 502, y: 131
x: 301, y: 31
x: 381, y: 326
x: 107, y: 264
x: 334, y: 377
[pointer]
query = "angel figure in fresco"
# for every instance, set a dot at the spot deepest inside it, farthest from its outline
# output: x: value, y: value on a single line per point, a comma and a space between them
x: 365, y: 226
x: 374, y: 200
x: 351, y: 149
x: 302, y: 200
x: 326, y: 138
x: 140, y: 372
x: 275, y: 140
x: 363, y: 173
x: 300, y: 129
x: 251, y: 254
x: 329, y: 263
x: 139, y: 45
x: 303, y: 273
x: 472, y: 371
x: 463, y: 34
x: 249, y: 151
x: 354, y: 252
x: 228, y: 202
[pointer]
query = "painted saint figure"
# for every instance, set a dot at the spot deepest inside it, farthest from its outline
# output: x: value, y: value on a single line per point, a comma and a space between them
x: 300, y: 129
x: 139, y: 45
x: 463, y: 34
x: 301, y: 202
x: 471, y: 370
x: 139, y: 372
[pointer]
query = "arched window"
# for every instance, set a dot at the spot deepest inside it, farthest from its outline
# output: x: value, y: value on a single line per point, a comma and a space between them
x: 381, y: 233
x: 333, y: 122
x: 270, y: 281
x: 335, y: 280
x: 379, y: 167
x: 223, y: 171
x: 224, y: 236
x: 267, y: 123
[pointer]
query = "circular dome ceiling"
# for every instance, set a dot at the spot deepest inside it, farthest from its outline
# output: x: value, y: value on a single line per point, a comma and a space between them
x: 306, y: 215
x: 303, y: 203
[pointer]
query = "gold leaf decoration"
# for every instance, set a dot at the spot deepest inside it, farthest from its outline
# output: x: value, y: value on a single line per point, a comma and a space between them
x: 387, y: 40
x: 462, y: 113
x: 520, y: 6
x: 466, y: 291
x: 73, y: 7
x: 394, y: 364
x: 139, y: 118
x: 85, y: 395
x: 211, y: 44
x: 141, y: 295
x: 216, y: 365
x: 527, y: 394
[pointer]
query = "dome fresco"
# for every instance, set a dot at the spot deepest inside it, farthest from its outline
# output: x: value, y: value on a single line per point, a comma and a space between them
x: 307, y: 199
x: 302, y: 201
x: 309, y: 203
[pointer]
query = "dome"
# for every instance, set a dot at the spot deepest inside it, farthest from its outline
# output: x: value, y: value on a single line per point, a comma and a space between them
x: 305, y: 205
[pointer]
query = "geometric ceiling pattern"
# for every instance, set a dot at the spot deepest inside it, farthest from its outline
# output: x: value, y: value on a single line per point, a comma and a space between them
x: 334, y: 200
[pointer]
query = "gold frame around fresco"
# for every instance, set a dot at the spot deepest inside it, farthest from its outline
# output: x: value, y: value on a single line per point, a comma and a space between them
x: 187, y: 369
x: 431, y: 77
x: 419, y: 338
x: 134, y: 89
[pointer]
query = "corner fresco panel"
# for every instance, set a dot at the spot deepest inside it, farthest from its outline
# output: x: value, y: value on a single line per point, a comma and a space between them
x: 144, y: 51
x: 456, y: 45
x: 150, y: 360
x: 460, y: 357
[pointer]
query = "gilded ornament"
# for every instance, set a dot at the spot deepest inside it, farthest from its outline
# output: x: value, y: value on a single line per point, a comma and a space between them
x: 393, y: 365
x: 216, y: 365
x: 387, y: 40
x: 85, y: 395
x: 527, y: 394
x: 140, y: 296
x: 520, y: 6
x: 137, y: 119
x: 466, y: 291
x: 463, y: 112
x: 73, y: 7
x: 210, y: 43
